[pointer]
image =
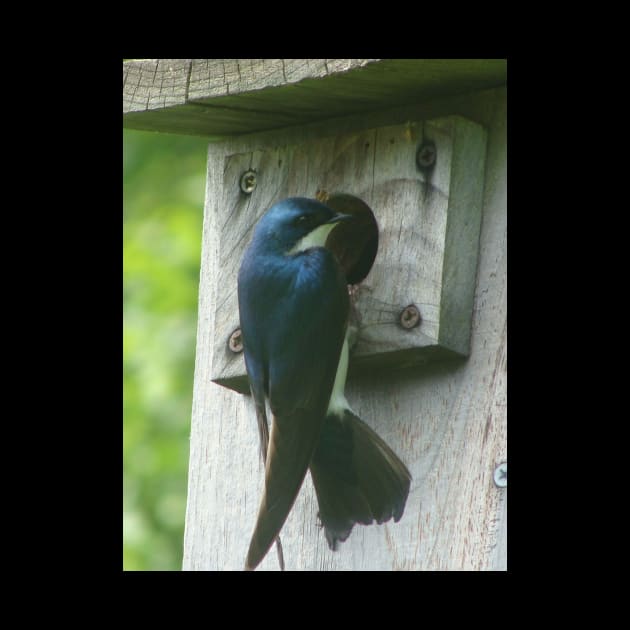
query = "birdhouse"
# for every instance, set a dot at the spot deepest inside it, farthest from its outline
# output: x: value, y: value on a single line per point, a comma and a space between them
x: 416, y: 150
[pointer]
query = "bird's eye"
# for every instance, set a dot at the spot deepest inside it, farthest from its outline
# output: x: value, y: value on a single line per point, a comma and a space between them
x: 302, y: 218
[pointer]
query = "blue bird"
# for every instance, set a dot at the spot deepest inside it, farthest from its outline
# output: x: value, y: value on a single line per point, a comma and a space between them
x: 294, y: 307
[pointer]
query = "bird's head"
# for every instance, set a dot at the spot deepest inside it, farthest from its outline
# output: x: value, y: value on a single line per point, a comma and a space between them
x: 295, y: 224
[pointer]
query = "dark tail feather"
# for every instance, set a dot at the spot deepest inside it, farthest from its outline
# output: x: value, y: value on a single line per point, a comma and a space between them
x: 357, y: 478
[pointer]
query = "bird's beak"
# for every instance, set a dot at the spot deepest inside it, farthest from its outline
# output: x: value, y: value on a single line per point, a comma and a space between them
x: 339, y: 216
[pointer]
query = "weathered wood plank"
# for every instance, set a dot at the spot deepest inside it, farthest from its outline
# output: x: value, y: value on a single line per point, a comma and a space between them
x: 219, y: 97
x: 447, y: 421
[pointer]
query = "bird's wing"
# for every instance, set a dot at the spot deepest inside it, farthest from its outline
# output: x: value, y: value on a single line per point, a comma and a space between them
x: 255, y: 372
x: 256, y: 383
x: 304, y: 351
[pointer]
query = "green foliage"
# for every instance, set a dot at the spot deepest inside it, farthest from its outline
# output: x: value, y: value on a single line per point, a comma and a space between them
x: 163, y: 183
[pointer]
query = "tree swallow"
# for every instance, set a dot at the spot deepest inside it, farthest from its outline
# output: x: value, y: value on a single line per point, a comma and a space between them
x: 294, y: 307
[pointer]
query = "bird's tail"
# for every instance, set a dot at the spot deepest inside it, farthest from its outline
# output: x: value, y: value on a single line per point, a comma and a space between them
x: 357, y: 478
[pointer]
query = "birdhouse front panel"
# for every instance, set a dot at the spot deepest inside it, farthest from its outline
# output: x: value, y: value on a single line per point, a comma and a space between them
x: 423, y: 182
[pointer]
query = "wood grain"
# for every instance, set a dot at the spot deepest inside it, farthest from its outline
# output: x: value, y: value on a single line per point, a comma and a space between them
x: 447, y: 420
x: 219, y: 97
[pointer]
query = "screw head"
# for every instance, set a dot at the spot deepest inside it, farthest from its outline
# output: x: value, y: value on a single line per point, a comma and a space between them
x: 500, y: 475
x: 426, y: 155
x: 248, y: 182
x: 410, y: 317
x: 235, y: 342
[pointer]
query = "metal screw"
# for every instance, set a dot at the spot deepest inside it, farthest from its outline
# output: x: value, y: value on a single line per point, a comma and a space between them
x: 235, y: 342
x: 500, y: 475
x: 410, y: 317
x: 248, y: 182
x: 426, y: 155
x: 322, y: 195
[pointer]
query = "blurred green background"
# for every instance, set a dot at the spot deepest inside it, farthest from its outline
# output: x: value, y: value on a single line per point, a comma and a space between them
x: 163, y: 195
